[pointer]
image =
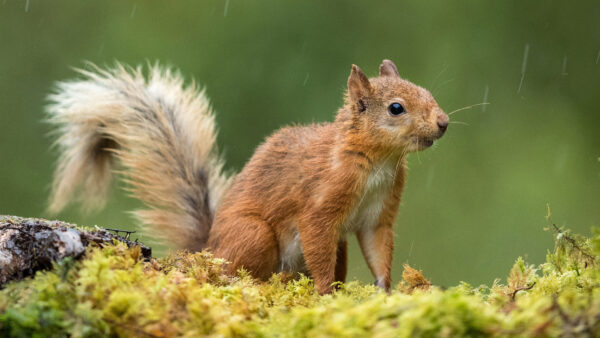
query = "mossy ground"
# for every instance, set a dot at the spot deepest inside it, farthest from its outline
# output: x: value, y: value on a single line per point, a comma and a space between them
x: 114, y: 292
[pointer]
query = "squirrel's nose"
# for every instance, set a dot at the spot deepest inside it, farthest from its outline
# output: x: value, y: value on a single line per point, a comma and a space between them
x: 442, y: 122
x: 443, y: 125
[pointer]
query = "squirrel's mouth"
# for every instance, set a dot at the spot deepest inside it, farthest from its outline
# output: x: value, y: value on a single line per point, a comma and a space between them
x: 427, y: 142
x: 422, y: 143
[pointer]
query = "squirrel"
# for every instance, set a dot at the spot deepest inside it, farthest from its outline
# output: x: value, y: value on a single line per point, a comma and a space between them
x: 290, y: 209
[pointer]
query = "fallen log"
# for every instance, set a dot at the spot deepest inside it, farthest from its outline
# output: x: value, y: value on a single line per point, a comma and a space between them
x: 31, y: 244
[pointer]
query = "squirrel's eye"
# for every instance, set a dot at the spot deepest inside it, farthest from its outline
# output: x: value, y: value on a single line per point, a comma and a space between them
x: 396, y: 108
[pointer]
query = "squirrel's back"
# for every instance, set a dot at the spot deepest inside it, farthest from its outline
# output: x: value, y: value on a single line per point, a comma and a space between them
x: 292, y: 155
x: 162, y: 132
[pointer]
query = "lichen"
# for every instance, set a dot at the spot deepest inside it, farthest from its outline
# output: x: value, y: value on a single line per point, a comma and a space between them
x: 112, y: 291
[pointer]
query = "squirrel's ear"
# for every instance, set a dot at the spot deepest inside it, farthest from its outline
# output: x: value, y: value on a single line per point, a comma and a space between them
x: 358, y: 84
x: 388, y: 68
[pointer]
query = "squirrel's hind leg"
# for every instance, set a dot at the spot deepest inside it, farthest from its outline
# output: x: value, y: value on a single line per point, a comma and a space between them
x: 248, y: 243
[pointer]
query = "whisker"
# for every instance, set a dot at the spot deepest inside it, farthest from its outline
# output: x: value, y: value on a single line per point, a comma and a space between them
x: 468, y: 107
x: 400, y: 159
x: 434, y: 84
x: 460, y: 122
x: 443, y: 84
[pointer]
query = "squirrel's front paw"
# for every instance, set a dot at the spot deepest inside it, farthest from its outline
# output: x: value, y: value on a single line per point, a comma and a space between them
x: 383, y: 283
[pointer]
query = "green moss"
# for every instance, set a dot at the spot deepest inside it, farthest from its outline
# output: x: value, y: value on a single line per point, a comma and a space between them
x: 112, y: 291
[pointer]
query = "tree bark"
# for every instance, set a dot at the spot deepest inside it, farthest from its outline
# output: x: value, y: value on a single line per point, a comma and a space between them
x: 31, y: 244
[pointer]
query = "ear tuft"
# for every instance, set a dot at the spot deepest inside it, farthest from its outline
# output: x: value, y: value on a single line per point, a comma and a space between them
x: 359, y: 86
x: 388, y: 68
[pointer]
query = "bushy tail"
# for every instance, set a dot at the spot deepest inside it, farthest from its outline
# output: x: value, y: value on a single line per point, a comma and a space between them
x: 163, y: 134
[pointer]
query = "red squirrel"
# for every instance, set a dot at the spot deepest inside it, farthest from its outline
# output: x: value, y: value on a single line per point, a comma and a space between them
x: 290, y: 209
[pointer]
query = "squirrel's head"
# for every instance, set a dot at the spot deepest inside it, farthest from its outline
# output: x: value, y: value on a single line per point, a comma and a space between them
x: 394, y: 113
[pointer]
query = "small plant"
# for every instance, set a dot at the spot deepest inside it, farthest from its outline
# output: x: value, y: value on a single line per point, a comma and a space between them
x: 114, y: 292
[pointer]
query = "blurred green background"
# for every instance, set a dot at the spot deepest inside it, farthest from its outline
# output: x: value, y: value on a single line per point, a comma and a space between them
x: 472, y: 204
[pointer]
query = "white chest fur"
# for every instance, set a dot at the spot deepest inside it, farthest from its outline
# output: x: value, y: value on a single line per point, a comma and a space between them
x: 368, y: 209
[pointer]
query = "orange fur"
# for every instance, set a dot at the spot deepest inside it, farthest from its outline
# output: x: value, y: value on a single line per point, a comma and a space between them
x: 303, y: 191
x: 310, y: 181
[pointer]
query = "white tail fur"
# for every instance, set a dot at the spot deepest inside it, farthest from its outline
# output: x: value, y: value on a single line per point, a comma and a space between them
x: 163, y: 134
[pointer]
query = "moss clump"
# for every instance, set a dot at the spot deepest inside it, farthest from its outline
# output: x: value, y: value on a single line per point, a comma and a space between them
x: 113, y: 292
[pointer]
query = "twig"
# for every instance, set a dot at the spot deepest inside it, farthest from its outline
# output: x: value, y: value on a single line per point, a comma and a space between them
x: 514, y: 294
x: 117, y: 231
